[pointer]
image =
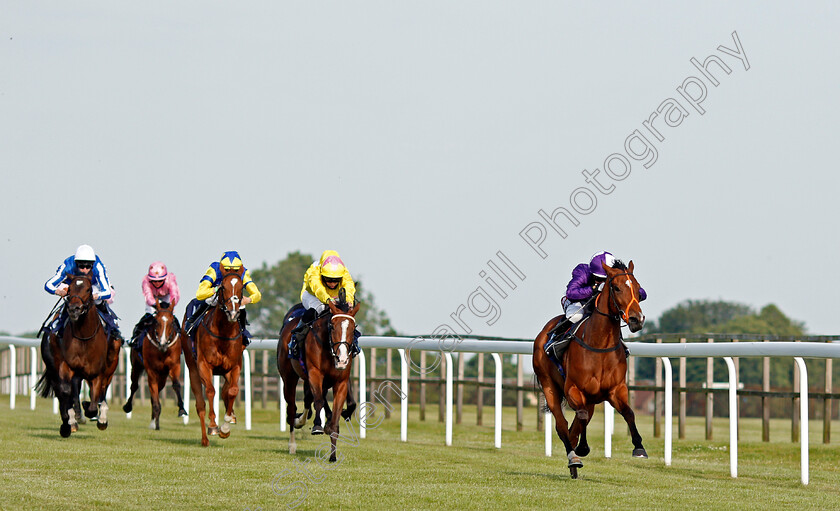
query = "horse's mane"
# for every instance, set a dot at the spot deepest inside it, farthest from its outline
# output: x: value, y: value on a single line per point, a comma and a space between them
x: 619, y: 265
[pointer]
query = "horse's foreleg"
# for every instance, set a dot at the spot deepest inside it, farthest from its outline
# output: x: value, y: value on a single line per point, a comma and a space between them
x: 175, y: 376
x: 351, y: 402
x: 231, y: 390
x: 578, y: 430
x: 63, y: 391
x: 155, y: 385
x: 339, y: 397
x: 195, y: 384
x: 307, y: 402
x: 619, y: 399
x: 206, y: 374
x: 315, y: 383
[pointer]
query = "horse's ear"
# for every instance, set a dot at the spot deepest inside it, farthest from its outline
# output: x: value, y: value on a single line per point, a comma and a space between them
x: 332, y: 306
x: 342, y: 296
x: 607, y: 268
x: 355, y: 308
x: 630, y: 266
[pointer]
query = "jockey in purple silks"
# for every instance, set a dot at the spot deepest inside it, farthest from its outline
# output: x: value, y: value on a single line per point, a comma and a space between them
x: 587, y: 281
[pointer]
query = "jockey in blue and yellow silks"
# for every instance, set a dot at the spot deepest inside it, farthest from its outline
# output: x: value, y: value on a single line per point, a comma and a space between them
x: 84, y: 262
x: 321, y: 283
x: 205, y: 297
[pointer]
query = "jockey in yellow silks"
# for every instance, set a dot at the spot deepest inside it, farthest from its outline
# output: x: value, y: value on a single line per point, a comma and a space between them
x: 321, y: 283
x: 205, y: 297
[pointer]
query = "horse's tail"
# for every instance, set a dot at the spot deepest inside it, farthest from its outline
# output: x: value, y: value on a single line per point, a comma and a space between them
x: 45, y: 386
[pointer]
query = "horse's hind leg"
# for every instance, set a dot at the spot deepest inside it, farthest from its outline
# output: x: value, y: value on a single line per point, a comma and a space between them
x: 63, y: 391
x: 554, y: 401
x: 351, y: 402
x: 136, y: 371
x: 175, y: 376
x: 620, y: 401
x: 78, y: 417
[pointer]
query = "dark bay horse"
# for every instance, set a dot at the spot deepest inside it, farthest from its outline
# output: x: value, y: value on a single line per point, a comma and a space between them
x: 328, y: 364
x: 84, y: 352
x: 218, y: 346
x: 595, y: 365
x: 161, y: 357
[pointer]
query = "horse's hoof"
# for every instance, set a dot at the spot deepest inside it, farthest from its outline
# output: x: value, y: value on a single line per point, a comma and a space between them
x: 204, y: 441
x: 640, y: 453
x: 292, y: 449
x: 182, y: 412
x: 582, y: 450
x: 82, y: 420
x: 213, y: 431
x: 332, y: 458
x: 102, y: 425
x: 127, y: 408
x: 223, y: 434
x: 574, y: 472
x: 317, y: 430
x: 152, y: 425
x: 64, y: 430
x: 575, y: 463
x: 74, y: 428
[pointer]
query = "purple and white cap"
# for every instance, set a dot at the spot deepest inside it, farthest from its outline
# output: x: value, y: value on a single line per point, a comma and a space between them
x: 595, y: 263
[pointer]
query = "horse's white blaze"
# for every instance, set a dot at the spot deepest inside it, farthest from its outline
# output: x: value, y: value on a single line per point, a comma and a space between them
x: 343, y: 353
x: 629, y: 284
x: 79, y: 282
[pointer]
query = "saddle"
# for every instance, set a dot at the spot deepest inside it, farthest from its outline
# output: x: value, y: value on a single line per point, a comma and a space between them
x: 560, y: 338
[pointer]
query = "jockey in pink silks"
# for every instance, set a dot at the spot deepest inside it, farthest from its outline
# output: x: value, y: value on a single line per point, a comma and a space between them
x: 158, y: 284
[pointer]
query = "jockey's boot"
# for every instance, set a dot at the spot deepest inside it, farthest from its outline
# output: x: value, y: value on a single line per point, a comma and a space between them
x: 354, y: 347
x: 301, y: 331
x: 243, y: 325
x: 110, y: 319
x: 190, y: 322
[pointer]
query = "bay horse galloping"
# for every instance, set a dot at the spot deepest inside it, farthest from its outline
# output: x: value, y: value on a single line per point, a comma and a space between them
x: 160, y: 357
x: 83, y: 352
x: 595, y: 365
x: 327, y: 363
x: 218, y: 351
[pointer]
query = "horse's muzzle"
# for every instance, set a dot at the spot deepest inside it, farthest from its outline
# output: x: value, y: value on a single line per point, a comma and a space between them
x: 75, y: 312
x: 635, y: 323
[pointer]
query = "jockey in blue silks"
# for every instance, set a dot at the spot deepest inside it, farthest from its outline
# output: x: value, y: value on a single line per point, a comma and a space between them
x: 587, y: 280
x: 85, y: 262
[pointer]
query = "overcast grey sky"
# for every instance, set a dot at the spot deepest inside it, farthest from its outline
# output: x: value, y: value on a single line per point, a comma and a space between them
x: 419, y: 139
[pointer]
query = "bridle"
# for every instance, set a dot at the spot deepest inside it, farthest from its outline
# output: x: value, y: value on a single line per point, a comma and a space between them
x: 234, y: 299
x: 156, y: 340
x: 623, y: 314
x: 330, y: 329
x: 221, y: 304
x: 85, y: 308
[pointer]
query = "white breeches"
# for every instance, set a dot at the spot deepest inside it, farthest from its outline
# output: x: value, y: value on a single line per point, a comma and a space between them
x: 310, y: 301
x: 574, y: 310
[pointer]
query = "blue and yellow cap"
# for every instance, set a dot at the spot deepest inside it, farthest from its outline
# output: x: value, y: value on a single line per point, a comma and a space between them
x: 231, y: 260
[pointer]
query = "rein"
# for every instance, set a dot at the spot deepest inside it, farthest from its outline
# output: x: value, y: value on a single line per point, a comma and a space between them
x: 220, y: 337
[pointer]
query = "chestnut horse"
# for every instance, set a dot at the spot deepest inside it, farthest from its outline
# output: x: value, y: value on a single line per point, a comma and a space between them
x: 218, y: 342
x: 84, y: 352
x: 595, y: 365
x: 328, y: 364
x: 161, y: 357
